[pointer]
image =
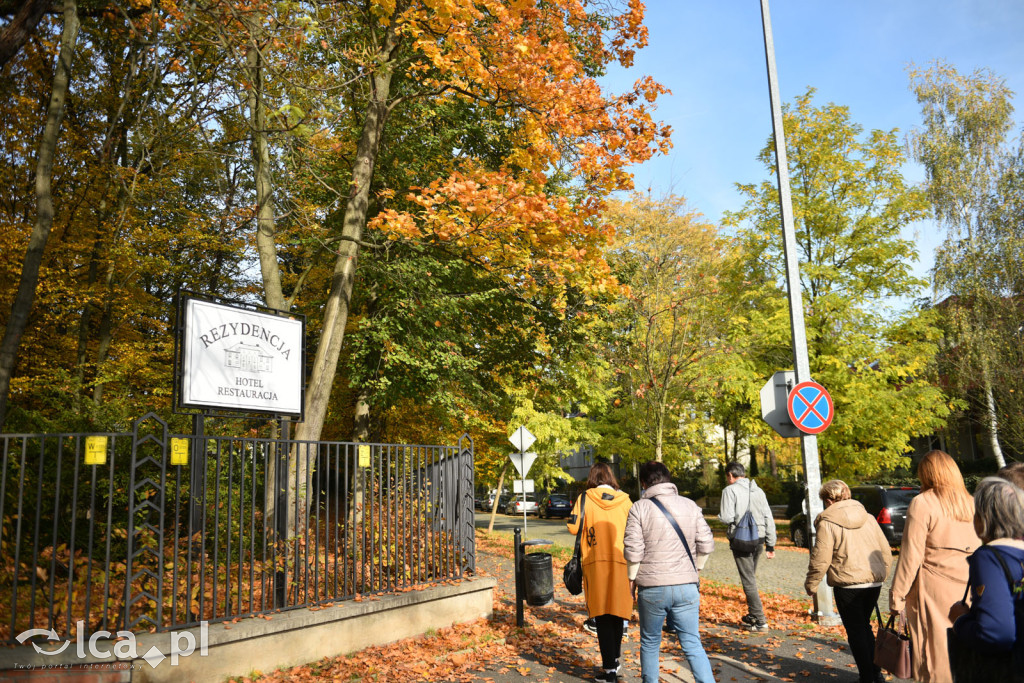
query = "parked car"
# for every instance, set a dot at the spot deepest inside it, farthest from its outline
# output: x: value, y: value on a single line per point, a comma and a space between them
x: 887, y: 503
x: 555, y: 505
x: 486, y: 501
x: 515, y: 505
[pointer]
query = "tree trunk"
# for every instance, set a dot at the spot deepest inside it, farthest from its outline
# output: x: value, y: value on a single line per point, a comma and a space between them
x: 753, y: 462
x: 336, y: 310
x: 18, y: 320
x: 497, y: 498
x: 21, y: 27
x: 84, y: 323
x: 266, y: 245
x: 773, y: 463
x: 659, y: 435
x: 105, y: 335
x: 361, y: 434
x: 993, y: 423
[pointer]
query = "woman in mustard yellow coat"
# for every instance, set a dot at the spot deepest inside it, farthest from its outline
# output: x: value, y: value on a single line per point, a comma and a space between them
x: 605, y: 581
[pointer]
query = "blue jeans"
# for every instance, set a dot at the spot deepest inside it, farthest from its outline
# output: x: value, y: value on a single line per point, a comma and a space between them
x: 682, y: 603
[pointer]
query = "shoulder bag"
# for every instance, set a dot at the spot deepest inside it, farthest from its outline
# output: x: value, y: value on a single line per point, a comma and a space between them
x: 892, y: 647
x: 967, y: 664
x: 572, y: 575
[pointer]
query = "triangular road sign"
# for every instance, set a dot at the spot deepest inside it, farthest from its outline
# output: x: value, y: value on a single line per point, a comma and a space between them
x: 523, y: 462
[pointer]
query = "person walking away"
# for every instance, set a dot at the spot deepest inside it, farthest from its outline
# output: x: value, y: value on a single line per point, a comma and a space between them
x: 994, y: 623
x: 931, y: 573
x: 852, y: 553
x: 742, y: 494
x: 663, y: 569
x: 605, y: 583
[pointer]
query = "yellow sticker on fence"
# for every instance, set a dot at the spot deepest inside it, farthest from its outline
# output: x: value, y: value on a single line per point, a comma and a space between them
x: 95, y: 450
x: 179, y: 451
x: 364, y: 456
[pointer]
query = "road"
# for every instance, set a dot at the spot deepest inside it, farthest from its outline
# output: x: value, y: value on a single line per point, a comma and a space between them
x: 550, y: 529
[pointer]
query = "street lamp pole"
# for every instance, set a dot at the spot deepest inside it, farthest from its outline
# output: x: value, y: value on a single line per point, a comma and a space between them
x: 801, y: 362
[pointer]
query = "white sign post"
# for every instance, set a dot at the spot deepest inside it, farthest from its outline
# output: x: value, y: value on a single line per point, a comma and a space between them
x: 523, y: 461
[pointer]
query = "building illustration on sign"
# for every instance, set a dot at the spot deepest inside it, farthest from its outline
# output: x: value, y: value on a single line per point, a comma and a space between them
x: 247, y: 357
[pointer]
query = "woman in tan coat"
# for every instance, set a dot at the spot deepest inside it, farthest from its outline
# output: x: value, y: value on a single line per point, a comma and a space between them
x: 605, y: 580
x: 853, y: 554
x: 931, y: 573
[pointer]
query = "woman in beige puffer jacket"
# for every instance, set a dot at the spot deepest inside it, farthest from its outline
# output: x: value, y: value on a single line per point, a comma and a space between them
x: 853, y: 553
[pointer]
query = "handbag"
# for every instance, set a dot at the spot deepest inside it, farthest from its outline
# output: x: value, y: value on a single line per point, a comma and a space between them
x: 572, y: 575
x: 892, y: 648
x: 967, y: 664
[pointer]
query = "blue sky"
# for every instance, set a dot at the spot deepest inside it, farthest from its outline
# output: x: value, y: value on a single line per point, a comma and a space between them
x: 855, y: 53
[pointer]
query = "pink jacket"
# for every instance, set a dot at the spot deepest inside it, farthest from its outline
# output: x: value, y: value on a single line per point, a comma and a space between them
x: 653, y: 544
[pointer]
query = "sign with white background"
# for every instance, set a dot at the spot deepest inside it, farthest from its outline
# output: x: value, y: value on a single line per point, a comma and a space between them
x: 242, y: 360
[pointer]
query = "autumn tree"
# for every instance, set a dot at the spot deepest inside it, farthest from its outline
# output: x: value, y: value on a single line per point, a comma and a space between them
x: 850, y: 206
x: 670, y: 326
x: 142, y: 209
x: 16, y: 322
x: 538, y: 71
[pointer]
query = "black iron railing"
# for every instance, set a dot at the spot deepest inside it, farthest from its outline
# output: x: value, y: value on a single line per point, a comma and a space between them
x: 172, y: 530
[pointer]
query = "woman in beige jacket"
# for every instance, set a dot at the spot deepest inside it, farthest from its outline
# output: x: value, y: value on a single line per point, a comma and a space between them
x: 851, y: 550
x: 931, y: 573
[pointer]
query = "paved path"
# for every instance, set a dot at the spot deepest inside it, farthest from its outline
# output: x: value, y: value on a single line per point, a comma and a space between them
x: 794, y: 652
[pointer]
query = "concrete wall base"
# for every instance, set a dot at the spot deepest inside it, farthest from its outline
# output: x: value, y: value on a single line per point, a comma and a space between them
x: 286, y: 639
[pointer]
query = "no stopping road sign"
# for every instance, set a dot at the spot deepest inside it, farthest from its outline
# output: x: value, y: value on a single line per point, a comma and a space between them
x: 810, y: 407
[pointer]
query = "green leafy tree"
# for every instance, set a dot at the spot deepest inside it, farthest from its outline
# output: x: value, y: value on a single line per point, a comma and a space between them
x: 850, y: 205
x: 671, y: 319
x: 971, y: 177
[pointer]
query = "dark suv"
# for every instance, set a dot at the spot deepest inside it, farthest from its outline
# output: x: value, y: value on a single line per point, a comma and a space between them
x: 555, y: 505
x: 888, y: 504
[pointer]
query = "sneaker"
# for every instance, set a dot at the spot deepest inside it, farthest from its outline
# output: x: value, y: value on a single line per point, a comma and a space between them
x: 607, y: 676
x: 590, y: 626
x: 748, y: 620
x: 757, y: 627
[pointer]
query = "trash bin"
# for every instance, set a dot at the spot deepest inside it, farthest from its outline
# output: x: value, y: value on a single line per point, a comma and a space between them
x: 540, y: 588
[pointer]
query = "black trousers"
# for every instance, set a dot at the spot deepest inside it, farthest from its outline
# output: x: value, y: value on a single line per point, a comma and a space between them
x: 855, y: 607
x: 609, y: 639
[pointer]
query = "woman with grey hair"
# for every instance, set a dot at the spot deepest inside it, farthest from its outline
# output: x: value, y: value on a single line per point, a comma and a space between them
x: 990, y: 634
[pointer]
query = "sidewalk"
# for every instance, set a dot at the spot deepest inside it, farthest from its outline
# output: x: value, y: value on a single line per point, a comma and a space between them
x: 553, y: 648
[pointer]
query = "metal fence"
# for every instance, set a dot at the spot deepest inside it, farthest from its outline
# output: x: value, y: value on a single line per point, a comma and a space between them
x: 171, y: 530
